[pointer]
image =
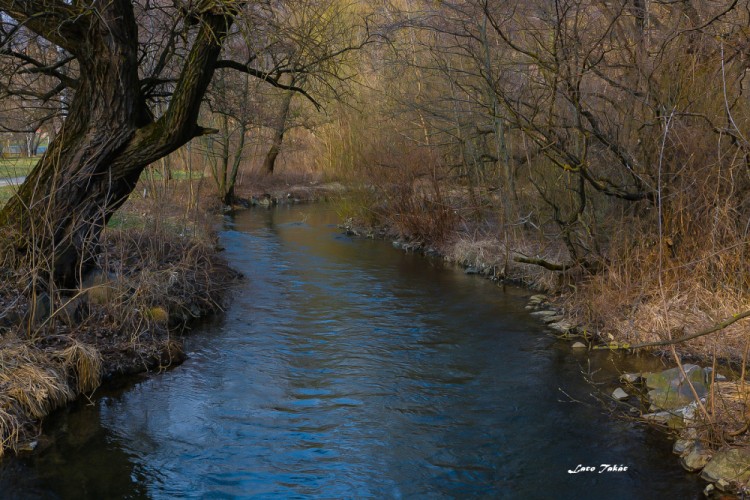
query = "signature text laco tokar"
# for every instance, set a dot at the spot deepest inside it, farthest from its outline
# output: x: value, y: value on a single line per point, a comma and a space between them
x: 600, y: 469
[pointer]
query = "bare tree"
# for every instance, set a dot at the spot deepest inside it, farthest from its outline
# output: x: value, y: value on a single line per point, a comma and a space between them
x: 121, y: 58
x: 234, y: 110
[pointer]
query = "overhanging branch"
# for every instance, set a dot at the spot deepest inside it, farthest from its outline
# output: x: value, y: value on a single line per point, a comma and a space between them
x: 272, y: 79
x: 61, y: 23
x: 720, y: 326
x: 543, y: 263
x: 42, y: 68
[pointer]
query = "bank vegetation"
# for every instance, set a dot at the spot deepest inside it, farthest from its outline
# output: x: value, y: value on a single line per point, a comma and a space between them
x: 597, y: 149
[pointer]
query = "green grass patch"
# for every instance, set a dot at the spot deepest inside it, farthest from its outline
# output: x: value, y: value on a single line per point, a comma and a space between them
x: 20, y: 167
x: 128, y: 220
x: 16, y: 167
x: 6, y: 192
x: 177, y: 175
x: 125, y: 220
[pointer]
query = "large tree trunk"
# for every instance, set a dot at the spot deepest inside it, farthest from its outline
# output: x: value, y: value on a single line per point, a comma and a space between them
x: 109, y: 137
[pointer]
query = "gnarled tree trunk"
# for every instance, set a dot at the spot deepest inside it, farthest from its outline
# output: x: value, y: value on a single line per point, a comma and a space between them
x: 109, y: 136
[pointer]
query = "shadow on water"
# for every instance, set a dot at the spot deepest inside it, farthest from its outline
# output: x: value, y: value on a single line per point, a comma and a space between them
x: 347, y: 369
x: 81, y: 459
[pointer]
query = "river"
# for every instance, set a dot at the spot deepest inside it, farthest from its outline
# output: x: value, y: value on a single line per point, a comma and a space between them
x: 345, y: 368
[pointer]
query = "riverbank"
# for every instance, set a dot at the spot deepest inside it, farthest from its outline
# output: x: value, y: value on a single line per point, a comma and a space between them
x: 267, y: 191
x: 357, y: 363
x: 596, y: 310
x: 598, y: 304
x: 159, y: 271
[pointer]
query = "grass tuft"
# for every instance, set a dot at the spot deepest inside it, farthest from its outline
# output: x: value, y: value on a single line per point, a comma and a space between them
x: 84, y: 364
x: 37, y: 389
x: 10, y: 426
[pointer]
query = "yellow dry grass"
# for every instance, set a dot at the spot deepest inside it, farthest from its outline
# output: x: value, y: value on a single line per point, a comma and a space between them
x: 84, y: 364
x: 498, y: 252
x: 37, y: 389
x: 35, y: 380
x: 10, y: 426
x: 641, y: 298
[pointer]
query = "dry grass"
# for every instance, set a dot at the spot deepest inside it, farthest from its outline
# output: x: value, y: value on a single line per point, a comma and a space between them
x: 37, y: 388
x: 84, y: 364
x: 10, y: 426
x: 33, y: 382
x: 155, y: 276
x: 36, y: 378
x: 728, y: 416
x: 497, y: 253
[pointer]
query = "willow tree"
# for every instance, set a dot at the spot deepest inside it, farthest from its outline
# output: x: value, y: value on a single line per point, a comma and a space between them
x: 118, y: 58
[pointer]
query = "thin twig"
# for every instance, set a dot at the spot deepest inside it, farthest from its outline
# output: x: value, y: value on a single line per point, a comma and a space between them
x: 720, y: 326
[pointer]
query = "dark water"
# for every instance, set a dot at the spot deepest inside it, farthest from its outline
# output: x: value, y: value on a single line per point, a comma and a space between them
x: 347, y: 369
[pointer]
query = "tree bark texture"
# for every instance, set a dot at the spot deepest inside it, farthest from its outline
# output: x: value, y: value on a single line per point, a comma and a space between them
x: 109, y: 136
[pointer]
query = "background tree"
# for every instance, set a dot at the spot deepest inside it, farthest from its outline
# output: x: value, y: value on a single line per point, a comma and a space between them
x: 234, y: 111
x: 122, y: 59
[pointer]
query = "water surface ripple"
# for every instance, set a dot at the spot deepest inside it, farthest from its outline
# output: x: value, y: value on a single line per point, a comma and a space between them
x: 348, y: 369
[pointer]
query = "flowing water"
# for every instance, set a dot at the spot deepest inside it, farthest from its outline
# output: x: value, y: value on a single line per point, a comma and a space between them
x: 345, y: 368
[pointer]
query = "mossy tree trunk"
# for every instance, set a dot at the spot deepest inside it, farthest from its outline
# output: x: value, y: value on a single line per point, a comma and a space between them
x: 109, y: 136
